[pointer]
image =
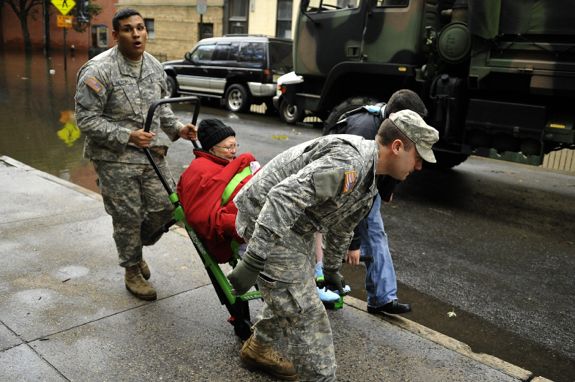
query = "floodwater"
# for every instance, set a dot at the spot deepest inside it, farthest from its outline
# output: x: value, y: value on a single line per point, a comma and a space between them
x: 37, y: 114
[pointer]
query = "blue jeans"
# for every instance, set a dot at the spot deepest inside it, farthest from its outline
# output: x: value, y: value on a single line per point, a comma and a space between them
x: 380, y: 281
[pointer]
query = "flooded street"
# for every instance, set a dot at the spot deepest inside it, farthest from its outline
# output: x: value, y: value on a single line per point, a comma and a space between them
x: 37, y: 112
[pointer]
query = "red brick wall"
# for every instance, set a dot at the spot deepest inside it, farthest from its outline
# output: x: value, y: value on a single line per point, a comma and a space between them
x: 14, y: 40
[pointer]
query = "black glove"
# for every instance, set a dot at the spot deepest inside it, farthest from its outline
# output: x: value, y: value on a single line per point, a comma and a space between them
x: 334, y: 280
x: 245, y: 274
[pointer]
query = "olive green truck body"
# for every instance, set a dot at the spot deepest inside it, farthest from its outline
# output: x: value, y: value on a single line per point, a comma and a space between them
x: 497, y: 76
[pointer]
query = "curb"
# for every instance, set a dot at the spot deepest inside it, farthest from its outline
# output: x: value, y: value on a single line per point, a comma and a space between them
x: 450, y: 343
x: 403, y: 323
x: 14, y: 163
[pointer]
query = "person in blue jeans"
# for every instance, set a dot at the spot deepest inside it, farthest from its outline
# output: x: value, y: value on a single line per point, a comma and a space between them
x: 370, y: 239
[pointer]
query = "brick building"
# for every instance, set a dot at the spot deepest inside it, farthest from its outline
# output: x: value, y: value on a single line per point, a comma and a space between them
x: 97, y: 33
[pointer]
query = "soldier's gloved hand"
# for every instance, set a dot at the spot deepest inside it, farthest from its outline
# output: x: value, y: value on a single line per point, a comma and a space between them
x: 245, y: 274
x: 334, y: 280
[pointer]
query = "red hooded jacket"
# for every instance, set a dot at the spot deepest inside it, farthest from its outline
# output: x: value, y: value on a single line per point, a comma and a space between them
x: 200, y: 190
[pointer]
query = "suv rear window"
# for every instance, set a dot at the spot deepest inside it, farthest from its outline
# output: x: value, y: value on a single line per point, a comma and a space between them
x: 281, y: 57
x: 226, y: 52
x: 253, y: 52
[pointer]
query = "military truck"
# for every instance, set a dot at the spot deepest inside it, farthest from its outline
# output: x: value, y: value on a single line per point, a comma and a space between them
x: 497, y: 76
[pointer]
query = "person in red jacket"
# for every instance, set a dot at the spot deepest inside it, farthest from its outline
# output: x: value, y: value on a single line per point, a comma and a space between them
x: 207, y: 187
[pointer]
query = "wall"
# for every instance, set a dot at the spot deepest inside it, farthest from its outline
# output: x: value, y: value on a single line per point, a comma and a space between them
x: 262, y: 17
x: 14, y: 40
x: 176, y: 24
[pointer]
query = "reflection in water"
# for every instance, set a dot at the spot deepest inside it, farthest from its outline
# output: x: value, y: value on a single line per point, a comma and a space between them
x: 36, y: 115
x: 70, y: 132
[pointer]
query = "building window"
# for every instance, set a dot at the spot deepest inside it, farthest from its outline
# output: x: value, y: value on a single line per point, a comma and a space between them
x: 150, y: 28
x: 238, y: 20
x: 283, y: 27
x: 99, y: 36
x: 205, y: 30
x: 392, y: 3
x: 332, y: 5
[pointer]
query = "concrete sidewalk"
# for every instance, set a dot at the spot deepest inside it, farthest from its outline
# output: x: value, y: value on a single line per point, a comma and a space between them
x: 66, y: 316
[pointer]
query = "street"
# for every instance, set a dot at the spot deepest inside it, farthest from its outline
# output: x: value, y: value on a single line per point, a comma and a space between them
x: 490, y: 241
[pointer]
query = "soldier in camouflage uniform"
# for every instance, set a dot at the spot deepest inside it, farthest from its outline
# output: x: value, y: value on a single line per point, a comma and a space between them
x: 113, y: 94
x: 326, y: 185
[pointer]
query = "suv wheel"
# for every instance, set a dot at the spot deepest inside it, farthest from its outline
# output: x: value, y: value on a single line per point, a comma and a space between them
x: 290, y: 113
x: 237, y: 98
x: 172, y: 86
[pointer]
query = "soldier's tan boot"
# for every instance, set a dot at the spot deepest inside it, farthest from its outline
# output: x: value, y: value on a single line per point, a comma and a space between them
x: 265, y: 358
x: 136, y: 284
x: 144, y: 269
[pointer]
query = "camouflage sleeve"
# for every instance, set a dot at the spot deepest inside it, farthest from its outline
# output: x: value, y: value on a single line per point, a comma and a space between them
x: 336, y: 243
x: 287, y: 201
x: 168, y: 121
x: 92, y: 92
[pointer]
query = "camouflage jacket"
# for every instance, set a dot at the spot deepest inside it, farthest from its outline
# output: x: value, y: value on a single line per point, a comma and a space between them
x: 111, y: 102
x: 325, y: 185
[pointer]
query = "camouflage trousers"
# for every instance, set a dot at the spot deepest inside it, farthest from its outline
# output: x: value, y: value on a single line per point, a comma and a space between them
x: 137, y: 202
x: 293, y: 310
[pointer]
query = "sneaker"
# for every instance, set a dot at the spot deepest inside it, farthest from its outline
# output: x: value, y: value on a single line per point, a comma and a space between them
x: 346, y: 290
x: 265, y: 358
x: 326, y: 295
x: 392, y: 307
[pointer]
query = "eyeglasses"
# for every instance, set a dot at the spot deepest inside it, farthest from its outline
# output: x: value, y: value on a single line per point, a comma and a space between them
x: 229, y: 148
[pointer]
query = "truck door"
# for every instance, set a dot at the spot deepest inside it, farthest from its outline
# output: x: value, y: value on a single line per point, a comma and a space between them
x: 328, y: 32
x: 395, y: 30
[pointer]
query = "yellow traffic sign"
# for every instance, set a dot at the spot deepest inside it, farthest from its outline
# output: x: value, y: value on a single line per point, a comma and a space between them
x: 64, y: 21
x: 64, y: 6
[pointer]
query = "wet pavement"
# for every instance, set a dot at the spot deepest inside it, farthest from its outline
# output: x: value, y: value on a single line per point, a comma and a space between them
x: 38, y: 129
x: 65, y: 314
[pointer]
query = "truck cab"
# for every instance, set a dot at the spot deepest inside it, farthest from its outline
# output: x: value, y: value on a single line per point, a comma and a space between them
x: 497, y: 77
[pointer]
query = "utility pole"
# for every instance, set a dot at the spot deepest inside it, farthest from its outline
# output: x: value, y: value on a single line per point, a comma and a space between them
x: 46, y: 6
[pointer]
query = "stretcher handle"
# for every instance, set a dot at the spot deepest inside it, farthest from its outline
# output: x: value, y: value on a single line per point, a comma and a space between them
x: 155, y: 104
x: 150, y: 116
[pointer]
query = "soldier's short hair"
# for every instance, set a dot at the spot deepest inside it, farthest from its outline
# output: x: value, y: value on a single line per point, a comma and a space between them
x: 405, y: 99
x: 388, y: 132
x: 123, y: 14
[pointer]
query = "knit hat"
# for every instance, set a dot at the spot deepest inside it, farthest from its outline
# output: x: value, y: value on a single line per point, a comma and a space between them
x: 213, y: 131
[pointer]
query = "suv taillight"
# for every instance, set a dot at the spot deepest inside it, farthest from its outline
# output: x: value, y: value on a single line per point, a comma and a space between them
x: 268, y: 75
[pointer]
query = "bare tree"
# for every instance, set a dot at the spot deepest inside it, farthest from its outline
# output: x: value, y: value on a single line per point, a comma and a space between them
x: 23, y: 9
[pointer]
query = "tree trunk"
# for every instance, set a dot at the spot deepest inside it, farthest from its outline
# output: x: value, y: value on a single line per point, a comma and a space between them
x: 25, y: 32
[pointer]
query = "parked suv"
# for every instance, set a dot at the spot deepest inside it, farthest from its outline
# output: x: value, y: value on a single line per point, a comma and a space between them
x: 239, y: 69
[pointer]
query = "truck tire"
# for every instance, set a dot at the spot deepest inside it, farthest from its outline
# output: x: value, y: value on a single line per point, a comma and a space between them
x: 237, y: 98
x: 289, y: 113
x: 172, y: 86
x: 446, y: 160
x: 347, y: 105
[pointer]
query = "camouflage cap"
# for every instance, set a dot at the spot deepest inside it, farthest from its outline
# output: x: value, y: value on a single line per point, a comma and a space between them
x: 414, y: 127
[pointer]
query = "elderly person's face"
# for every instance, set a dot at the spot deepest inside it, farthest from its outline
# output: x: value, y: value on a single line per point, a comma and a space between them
x: 225, y: 149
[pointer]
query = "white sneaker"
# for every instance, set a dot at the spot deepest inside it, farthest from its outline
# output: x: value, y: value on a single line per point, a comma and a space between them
x: 327, y: 295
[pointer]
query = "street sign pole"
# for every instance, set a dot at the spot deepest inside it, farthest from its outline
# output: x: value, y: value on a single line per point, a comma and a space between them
x: 46, y: 6
x: 201, y: 8
x: 65, y: 51
x: 64, y: 6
